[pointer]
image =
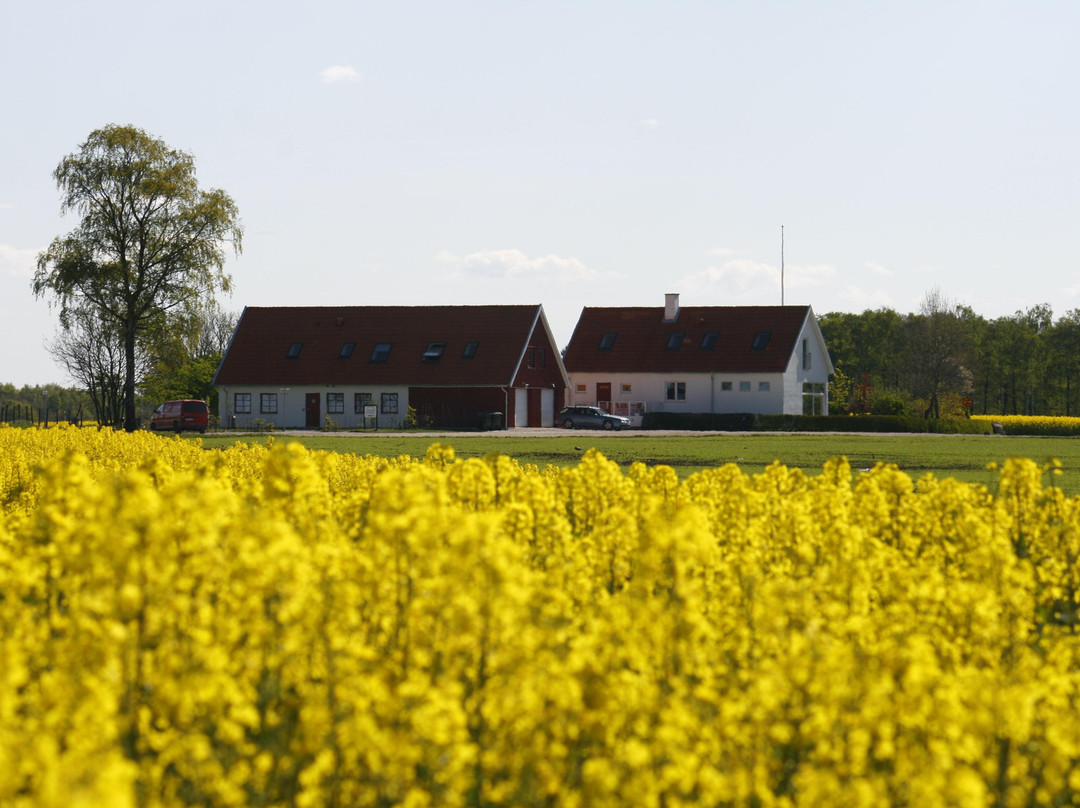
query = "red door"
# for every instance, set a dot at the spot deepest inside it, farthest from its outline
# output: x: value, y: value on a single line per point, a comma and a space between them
x: 311, y: 411
x: 603, y: 396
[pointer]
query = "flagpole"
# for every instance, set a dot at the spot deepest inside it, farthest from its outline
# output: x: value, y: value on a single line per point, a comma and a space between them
x: 781, y: 265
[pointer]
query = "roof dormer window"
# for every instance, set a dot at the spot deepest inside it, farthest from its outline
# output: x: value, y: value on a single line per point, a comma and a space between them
x: 294, y: 350
x: 381, y: 352
x: 607, y: 341
x: 761, y: 340
x: 470, y: 350
x: 347, y: 349
x: 708, y: 342
x: 434, y: 351
x: 675, y: 341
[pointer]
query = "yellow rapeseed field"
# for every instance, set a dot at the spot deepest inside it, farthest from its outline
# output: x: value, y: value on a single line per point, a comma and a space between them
x: 1034, y: 424
x: 271, y: 626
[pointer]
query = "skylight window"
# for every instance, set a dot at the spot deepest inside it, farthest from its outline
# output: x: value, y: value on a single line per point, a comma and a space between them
x: 675, y: 340
x: 607, y: 341
x: 294, y: 350
x: 761, y: 340
x: 708, y: 342
x: 381, y: 352
x: 347, y: 350
x: 470, y: 350
x: 434, y: 351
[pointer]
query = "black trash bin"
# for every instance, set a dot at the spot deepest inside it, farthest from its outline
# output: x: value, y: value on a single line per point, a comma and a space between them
x: 490, y: 420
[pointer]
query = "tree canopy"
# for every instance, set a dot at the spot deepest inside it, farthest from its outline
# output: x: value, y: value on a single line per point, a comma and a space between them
x: 149, y: 239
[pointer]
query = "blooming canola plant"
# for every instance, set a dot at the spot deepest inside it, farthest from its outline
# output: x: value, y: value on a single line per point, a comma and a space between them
x: 267, y: 625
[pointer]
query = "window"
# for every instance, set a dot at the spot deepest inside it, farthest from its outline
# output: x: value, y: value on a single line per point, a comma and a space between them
x: 806, y: 354
x: 242, y: 403
x: 541, y: 358
x: 744, y: 387
x: 761, y: 340
x: 361, y: 400
x: 581, y: 388
x: 294, y: 350
x: 763, y: 387
x: 607, y: 341
x: 347, y: 349
x: 813, y: 400
x: 335, y: 402
x: 627, y: 389
x: 268, y: 402
x: 676, y: 391
x: 708, y: 342
x: 530, y: 357
x: 470, y: 350
x: 434, y: 351
x: 389, y: 402
x: 725, y: 385
x: 381, y: 351
x: 675, y: 341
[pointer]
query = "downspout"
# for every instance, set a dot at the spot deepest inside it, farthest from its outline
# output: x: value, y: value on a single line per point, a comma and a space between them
x: 506, y: 408
x: 712, y: 392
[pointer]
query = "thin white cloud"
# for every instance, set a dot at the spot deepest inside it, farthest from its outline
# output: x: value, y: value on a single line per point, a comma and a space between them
x: 878, y: 269
x: 859, y: 299
x: 723, y: 252
x: 16, y: 262
x: 746, y: 282
x: 339, y: 74
x: 647, y: 123
x: 513, y: 264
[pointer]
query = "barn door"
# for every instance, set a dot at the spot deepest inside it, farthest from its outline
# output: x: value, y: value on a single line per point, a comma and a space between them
x: 311, y: 411
x: 535, y: 415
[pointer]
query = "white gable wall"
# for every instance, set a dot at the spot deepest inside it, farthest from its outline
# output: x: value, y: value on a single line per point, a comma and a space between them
x: 809, y: 363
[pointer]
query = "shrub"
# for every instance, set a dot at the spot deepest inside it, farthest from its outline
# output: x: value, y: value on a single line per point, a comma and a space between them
x: 868, y: 423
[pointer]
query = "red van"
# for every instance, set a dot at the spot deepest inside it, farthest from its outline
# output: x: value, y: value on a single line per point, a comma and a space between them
x: 180, y: 415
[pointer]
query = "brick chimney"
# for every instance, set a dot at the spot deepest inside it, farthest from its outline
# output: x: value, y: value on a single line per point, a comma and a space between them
x: 671, y: 307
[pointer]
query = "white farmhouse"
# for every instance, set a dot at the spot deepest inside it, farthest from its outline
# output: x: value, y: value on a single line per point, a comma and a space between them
x: 700, y: 359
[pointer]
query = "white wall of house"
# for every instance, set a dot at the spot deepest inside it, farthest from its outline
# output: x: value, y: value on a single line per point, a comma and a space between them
x: 693, y: 392
x: 255, y: 406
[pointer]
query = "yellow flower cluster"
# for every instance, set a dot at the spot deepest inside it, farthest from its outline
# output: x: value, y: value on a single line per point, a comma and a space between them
x: 1034, y: 424
x: 269, y: 626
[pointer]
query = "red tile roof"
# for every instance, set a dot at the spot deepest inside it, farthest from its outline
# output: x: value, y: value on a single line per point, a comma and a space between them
x: 259, y: 351
x: 642, y: 338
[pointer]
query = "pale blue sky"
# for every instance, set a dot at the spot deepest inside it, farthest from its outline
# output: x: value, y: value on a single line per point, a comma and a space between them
x: 571, y: 154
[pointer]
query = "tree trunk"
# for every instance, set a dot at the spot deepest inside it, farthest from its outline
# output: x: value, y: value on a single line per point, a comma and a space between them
x: 131, y: 422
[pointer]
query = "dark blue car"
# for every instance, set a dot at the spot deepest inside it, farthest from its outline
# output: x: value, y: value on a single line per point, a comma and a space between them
x: 590, y: 418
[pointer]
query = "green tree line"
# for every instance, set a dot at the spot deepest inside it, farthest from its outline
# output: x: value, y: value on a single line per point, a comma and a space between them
x: 945, y: 356
x: 39, y: 403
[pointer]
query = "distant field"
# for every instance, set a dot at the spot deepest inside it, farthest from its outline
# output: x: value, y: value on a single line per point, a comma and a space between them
x: 964, y: 457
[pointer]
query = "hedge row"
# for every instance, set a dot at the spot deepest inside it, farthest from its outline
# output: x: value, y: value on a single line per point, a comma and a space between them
x: 747, y: 422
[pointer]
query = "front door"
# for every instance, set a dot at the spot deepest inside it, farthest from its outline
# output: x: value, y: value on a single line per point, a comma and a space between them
x: 603, y: 396
x: 311, y: 411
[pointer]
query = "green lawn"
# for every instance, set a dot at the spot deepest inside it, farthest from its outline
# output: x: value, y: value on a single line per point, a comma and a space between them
x: 964, y: 457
